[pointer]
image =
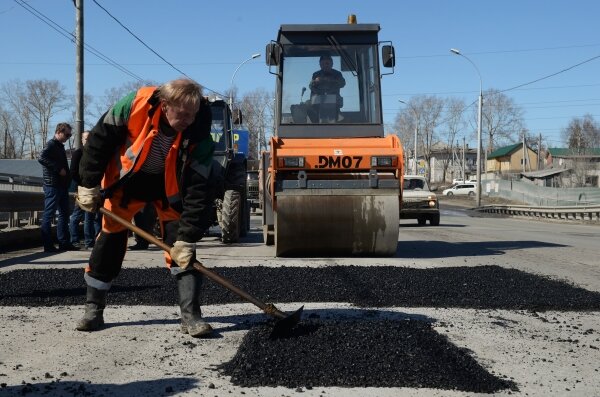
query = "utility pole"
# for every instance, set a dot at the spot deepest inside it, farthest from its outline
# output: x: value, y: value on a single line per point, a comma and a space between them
x: 5, y: 141
x: 79, y: 72
x: 464, y: 177
x: 539, y: 161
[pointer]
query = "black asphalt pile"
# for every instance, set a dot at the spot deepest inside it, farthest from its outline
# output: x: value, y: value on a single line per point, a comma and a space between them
x: 484, y: 287
x: 385, y: 353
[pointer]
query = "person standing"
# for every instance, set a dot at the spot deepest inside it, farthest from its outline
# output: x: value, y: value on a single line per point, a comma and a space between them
x: 153, y: 146
x: 56, y: 177
x: 89, y: 233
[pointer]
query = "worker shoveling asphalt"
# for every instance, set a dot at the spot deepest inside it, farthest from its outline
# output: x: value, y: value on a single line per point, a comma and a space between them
x: 284, y: 322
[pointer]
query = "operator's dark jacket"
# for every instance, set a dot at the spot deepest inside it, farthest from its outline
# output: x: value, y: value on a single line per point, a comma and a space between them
x: 53, y: 158
x: 75, y: 159
x: 195, y: 205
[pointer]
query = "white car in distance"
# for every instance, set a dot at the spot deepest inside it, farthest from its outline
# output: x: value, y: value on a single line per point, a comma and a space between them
x: 461, y: 189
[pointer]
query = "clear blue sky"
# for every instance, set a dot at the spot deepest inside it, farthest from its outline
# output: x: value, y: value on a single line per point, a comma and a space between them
x: 511, y: 42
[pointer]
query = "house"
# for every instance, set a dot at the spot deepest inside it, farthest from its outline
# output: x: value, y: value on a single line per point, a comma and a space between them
x: 446, y: 163
x: 584, y: 164
x: 512, y: 159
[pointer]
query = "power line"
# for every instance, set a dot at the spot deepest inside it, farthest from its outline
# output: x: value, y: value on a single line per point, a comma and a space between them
x: 147, y: 46
x: 140, y: 40
x: 69, y: 36
x: 503, y: 51
x: 553, y: 74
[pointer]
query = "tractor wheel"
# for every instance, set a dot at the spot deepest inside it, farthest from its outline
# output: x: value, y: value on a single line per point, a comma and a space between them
x: 230, y: 216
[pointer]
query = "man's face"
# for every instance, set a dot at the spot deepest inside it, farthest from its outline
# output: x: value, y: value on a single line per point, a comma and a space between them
x: 180, y: 116
x: 326, y: 64
x: 64, y: 135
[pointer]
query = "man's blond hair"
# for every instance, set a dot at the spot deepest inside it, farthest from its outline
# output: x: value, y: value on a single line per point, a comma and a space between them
x: 181, y: 91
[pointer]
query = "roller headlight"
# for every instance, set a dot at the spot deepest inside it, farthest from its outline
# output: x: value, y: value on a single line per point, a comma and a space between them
x: 384, y: 161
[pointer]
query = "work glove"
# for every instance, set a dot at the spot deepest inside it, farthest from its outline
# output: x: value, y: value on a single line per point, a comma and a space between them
x: 183, y: 253
x: 88, y: 199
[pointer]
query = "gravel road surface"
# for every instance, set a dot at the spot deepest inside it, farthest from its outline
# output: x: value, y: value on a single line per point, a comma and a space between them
x: 456, y: 323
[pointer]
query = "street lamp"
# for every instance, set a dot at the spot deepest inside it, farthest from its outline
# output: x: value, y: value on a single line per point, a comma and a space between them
x: 479, y: 110
x: 254, y: 56
x: 416, y: 132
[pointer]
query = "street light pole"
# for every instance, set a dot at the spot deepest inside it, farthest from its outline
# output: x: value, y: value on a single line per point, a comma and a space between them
x: 416, y: 132
x: 254, y: 56
x: 479, y: 113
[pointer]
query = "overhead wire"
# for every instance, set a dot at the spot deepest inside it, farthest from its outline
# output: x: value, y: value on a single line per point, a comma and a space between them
x: 147, y: 46
x: 65, y: 33
x: 553, y: 74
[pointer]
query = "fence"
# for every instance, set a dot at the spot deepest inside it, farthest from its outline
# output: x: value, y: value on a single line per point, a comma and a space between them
x: 528, y: 193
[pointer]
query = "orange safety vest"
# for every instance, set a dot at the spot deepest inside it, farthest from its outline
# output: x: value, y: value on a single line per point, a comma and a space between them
x: 141, y: 130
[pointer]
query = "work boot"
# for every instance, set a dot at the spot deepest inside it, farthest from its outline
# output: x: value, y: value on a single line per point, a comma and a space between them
x: 93, y: 317
x: 188, y: 285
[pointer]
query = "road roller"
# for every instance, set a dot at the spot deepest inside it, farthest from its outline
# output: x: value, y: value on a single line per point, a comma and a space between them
x: 331, y: 179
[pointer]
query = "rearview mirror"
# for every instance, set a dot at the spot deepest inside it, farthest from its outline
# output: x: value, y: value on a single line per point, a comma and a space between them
x: 273, y: 54
x: 388, y: 56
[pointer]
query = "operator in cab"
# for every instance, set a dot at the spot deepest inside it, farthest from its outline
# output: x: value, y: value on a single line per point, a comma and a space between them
x: 325, y: 92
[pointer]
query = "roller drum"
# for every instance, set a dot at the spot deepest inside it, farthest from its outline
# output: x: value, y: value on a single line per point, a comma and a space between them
x: 337, y: 223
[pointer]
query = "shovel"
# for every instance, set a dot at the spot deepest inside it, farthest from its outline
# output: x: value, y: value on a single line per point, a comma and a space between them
x: 285, y: 322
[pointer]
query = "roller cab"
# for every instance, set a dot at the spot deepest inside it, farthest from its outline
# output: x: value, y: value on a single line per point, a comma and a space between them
x: 331, y: 181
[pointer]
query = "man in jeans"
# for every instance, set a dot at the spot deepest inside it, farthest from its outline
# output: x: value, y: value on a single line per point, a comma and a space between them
x: 89, y: 232
x: 56, y: 190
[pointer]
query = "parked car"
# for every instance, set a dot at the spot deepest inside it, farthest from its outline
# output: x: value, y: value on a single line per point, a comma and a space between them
x: 418, y: 201
x: 462, y: 189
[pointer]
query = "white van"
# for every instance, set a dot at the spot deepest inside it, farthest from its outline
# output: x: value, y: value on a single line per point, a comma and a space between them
x: 462, y: 189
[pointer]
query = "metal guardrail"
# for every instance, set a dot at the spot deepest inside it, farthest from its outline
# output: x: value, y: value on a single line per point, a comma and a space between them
x: 579, y: 213
x: 18, y: 208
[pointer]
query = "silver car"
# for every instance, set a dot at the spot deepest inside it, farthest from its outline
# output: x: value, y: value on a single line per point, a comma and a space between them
x: 418, y: 202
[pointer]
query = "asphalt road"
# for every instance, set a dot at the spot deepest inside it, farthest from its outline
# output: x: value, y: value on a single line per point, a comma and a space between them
x: 471, y: 307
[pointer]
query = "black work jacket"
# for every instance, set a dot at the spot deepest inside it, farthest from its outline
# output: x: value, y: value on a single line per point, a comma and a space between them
x: 53, y: 158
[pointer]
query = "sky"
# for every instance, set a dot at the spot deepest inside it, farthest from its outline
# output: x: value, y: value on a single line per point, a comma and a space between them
x: 511, y: 42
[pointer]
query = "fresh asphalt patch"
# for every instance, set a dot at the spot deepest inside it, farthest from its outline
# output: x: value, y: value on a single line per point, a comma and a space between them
x: 483, y: 287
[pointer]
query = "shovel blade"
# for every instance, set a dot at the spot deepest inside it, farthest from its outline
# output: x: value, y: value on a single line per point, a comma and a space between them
x: 283, y: 326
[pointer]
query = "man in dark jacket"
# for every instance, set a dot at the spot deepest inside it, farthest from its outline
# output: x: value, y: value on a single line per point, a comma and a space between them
x: 325, y: 96
x: 153, y: 146
x: 56, y: 190
x: 78, y: 215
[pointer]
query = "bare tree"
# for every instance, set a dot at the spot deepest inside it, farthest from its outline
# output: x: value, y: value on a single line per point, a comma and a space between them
x: 7, y: 143
x: 582, y: 133
x: 113, y: 94
x: 453, y: 125
x: 501, y: 119
x: 404, y: 126
x: 89, y: 119
x: 45, y: 98
x: 258, y: 113
x: 423, y: 113
x: 15, y: 99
